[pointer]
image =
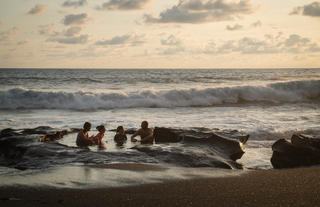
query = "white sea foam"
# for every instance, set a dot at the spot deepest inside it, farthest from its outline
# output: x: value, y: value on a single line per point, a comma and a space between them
x: 276, y: 93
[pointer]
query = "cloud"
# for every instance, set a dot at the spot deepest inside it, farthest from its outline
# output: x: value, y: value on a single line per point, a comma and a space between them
x: 246, y: 45
x: 312, y: 9
x: 9, y: 34
x: 172, y: 45
x: 201, y: 11
x: 127, y: 39
x: 69, y: 36
x: 124, y: 5
x: 171, y: 41
x: 72, y: 31
x: 47, y: 29
x: 23, y: 42
x: 256, y: 24
x: 74, y: 4
x: 269, y: 45
x: 297, y: 44
x: 92, y: 51
x: 38, y: 9
x: 235, y: 27
x: 75, y: 19
x: 296, y: 40
x: 81, y: 39
x: 171, y: 51
x: 314, y: 48
x: 117, y: 40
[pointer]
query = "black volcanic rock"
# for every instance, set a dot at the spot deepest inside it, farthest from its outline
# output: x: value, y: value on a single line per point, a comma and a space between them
x: 161, y: 135
x: 38, y: 130
x: 228, y: 143
x: 301, y: 151
x: 186, y: 147
x: 48, y: 133
x: 54, y: 136
x: 8, y: 132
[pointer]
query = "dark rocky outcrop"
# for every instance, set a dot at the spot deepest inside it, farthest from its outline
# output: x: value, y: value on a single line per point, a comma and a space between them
x: 8, y: 132
x: 48, y: 134
x: 187, y: 147
x: 38, y: 130
x: 54, y: 136
x: 229, y: 143
x: 303, y: 150
x: 21, y: 149
x: 167, y: 135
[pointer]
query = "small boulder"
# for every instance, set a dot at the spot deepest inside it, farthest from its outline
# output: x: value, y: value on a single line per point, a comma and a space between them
x: 301, y: 151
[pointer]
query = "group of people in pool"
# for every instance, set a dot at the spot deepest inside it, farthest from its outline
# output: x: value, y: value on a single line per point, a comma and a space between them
x: 83, y: 139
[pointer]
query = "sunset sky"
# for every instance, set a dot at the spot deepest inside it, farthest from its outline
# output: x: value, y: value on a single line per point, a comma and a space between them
x: 159, y: 34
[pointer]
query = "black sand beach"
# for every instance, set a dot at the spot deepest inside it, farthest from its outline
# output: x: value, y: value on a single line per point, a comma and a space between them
x: 289, y: 187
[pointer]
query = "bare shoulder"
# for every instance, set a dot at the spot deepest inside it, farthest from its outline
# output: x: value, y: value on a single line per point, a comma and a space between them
x: 80, y: 133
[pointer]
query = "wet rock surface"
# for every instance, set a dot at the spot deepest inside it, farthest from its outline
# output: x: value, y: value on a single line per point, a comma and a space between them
x: 230, y: 143
x: 220, y: 148
x: 40, y: 147
x: 303, y: 150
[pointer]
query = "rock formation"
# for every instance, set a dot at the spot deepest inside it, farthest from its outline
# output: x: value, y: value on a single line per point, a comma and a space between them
x: 303, y: 150
x: 229, y: 143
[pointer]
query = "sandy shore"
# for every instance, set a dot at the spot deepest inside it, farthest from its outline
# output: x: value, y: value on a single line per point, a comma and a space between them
x: 292, y: 187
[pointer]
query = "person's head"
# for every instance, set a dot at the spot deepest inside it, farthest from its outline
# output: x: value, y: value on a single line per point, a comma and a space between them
x: 101, y: 129
x: 120, y: 130
x: 144, y: 125
x: 87, y: 126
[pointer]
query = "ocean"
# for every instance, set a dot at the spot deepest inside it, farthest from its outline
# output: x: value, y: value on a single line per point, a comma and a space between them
x: 267, y: 104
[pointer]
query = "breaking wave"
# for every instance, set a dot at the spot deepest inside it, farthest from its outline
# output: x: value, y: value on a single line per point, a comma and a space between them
x: 276, y: 93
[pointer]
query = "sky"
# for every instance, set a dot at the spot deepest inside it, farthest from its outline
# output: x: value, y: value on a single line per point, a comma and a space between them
x: 159, y: 34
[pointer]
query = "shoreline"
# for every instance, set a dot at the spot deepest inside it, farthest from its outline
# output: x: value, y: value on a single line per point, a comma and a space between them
x: 286, y: 187
x: 112, y: 175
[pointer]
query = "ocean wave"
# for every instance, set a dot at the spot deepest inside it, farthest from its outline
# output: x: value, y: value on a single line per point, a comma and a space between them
x: 271, y: 134
x: 276, y: 93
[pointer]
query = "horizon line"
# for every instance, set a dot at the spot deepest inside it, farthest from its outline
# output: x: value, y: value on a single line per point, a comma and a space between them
x: 204, y: 68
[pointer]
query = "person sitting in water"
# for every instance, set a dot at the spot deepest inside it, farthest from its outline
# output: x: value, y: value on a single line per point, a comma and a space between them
x: 83, y: 137
x: 98, y: 138
x: 145, y: 133
x: 120, y: 136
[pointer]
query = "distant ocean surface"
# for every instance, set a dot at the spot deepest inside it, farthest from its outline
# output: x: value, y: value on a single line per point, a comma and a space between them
x: 268, y: 104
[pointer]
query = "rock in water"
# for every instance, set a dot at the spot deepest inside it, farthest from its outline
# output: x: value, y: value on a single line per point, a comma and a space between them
x: 53, y: 137
x: 228, y: 143
x: 161, y: 135
x: 8, y: 133
x: 301, y: 151
x: 192, y: 147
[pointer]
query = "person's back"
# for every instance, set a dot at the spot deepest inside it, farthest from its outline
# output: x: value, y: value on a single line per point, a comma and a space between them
x: 120, y: 136
x: 83, y: 138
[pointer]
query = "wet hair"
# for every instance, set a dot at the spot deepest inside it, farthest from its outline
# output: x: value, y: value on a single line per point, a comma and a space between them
x: 145, y: 122
x: 87, y: 125
x: 120, y: 128
x: 100, y: 128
